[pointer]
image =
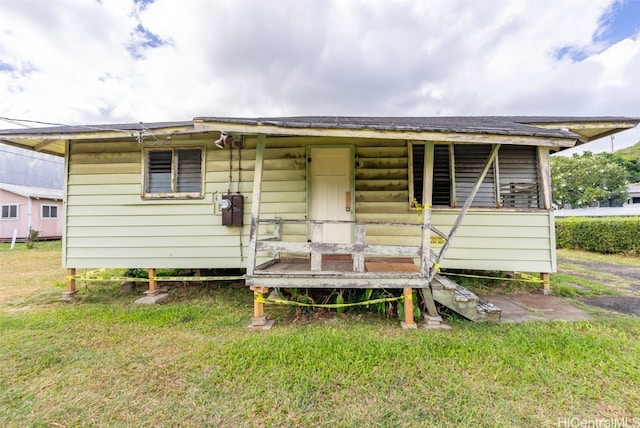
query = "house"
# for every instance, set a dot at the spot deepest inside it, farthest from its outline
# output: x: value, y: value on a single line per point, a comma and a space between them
x: 27, y: 208
x: 324, y: 202
x: 634, y: 193
x: 629, y: 209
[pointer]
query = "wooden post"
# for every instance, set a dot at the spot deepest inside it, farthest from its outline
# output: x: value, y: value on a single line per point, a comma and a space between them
x: 358, y: 257
x: 259, y: 319
x: 153, y: 284
x: 408, y: 309
x: 427, y: 199
x: 546, y: 285
x: 255, y: 203
x: 71, y: 285
x: 316, y: 236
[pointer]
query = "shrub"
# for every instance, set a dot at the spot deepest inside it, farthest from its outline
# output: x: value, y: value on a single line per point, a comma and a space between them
x: 602, y: 235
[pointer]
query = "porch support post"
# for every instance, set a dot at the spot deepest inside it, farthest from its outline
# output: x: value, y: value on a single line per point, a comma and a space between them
x: 153, y: 295
x: 546, y: 284
x: 425, y: 260
x: 408, y: 309
x: 427, y: 199
x: 358, y: 257
x: 255, y: 203
x: 153, y: 284
x: 68, y: 295
x: 259, y: 319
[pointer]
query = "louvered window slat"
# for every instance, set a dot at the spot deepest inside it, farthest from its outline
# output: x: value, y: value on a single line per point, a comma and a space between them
x: 189, y: 170
x: 519, y: 181
x: 469, y: 161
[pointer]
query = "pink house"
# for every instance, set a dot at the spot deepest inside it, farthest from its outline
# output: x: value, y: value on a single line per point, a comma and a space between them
x: 24, y: 208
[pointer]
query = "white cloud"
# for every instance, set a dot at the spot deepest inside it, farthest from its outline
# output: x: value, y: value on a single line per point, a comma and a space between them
x: 120, y: 60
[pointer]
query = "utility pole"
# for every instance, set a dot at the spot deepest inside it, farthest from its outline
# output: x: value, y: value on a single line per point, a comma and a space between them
x: 612, y: 137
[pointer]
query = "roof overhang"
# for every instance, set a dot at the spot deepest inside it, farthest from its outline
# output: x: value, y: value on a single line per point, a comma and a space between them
x: 53, y: 140
x: 557, y: 140
x: 557, y: 133
x: 591, y: 130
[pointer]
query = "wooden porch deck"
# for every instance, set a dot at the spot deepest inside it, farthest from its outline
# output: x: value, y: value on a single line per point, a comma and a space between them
x: 337, y: 272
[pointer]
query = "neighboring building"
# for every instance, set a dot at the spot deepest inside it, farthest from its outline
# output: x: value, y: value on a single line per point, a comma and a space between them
x: 634, y: 193
x: 252, y: 193
x: 629, y: 209
x: 25, y: 208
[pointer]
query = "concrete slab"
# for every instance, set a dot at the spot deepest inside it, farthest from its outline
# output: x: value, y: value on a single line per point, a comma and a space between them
x: 406, y: 326
x: 535, y: 307
x: 266, y: 326
x: 152, y: 299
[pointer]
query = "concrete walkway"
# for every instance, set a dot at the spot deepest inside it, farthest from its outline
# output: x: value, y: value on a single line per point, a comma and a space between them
x: 532, y: 307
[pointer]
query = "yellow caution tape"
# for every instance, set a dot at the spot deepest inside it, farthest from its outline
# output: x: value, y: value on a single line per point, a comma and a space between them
x: 158, y: 278
x: 258, y: 297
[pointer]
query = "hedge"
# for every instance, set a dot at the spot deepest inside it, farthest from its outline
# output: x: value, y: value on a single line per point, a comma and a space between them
x: 602, y: 235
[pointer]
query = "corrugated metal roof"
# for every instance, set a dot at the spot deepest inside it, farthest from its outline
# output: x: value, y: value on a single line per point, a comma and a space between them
x: 32, y: 192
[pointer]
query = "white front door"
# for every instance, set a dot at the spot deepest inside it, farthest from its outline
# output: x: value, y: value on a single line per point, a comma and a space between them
x: 331, y: 191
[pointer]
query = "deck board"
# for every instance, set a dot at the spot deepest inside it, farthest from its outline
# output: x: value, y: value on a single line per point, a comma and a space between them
x: 390, y: 267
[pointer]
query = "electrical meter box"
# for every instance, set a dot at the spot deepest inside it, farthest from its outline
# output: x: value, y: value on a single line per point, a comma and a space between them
x: 232, y: 206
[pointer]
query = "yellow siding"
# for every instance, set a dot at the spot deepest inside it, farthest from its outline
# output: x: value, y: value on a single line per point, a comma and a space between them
x: 110, y: 225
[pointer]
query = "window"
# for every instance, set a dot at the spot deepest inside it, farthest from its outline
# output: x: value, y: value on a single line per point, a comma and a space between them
x: 512, y: 182
x: 441, y: 174
x: 50, y: 211
x: 519, y: 180
x: 9, y: 212
x: 174, y: 173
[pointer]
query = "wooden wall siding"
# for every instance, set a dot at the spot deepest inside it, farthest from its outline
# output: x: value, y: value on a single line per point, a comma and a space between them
x: 487, y: 239
x: 109, y: 225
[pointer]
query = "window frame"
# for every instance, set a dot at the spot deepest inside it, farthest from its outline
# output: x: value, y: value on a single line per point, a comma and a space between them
x: 9, y: 217
x: 173, y: 194
x: 453, y: 165
x: 49, y: 217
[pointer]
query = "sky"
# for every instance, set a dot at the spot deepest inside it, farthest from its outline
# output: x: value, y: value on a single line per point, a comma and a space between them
x: 114, y: 61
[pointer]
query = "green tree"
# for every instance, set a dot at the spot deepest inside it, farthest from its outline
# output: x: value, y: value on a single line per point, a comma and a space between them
x: 585, y: 178
x: 630, y: 163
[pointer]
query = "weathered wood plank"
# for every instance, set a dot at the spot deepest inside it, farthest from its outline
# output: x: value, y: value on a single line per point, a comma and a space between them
x: 255, y: 208
x: 106, y: 158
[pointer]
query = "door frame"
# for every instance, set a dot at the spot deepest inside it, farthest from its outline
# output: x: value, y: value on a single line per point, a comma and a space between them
x: 352, y: 180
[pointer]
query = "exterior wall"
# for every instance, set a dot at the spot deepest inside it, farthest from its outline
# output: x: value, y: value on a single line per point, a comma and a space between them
x: 47, y: 228
x: 110, y: 225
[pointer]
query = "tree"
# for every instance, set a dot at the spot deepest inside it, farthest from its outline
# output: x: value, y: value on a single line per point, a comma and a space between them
x: 631, y: 164
x: 586, y: 178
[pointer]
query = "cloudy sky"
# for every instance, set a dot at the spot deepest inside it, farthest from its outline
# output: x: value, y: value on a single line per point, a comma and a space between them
x: 110, y: 61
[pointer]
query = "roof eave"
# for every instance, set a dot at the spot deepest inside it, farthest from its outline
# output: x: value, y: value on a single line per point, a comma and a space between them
x: 402, y: 134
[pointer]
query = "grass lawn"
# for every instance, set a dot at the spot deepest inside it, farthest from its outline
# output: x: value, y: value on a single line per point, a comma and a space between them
x: 104, y: 361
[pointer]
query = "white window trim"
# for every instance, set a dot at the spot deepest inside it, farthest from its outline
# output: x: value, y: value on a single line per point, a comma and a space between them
x: 172, y: 195
x: 42, y: 216
x: 10, y: 205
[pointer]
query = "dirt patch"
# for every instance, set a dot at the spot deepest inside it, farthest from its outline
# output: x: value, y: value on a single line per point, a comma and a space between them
x: 628, y: 273
x: 625, y: 305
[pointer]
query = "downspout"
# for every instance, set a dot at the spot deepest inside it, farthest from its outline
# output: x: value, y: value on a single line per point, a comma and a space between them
x: 29, y: 214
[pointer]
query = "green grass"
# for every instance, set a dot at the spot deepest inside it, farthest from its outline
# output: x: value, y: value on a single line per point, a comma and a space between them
x: 104, y: 361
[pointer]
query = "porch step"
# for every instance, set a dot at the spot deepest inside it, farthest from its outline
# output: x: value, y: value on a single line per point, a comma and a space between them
x: 463, y: 301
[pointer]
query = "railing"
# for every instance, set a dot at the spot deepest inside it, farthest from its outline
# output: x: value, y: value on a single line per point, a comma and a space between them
x: 358, y: 249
